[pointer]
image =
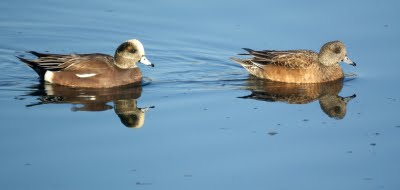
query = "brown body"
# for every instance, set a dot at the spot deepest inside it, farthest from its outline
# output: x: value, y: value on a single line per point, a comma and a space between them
x: 310, y: 74
x: 297, y: 66
x: 108, y: 78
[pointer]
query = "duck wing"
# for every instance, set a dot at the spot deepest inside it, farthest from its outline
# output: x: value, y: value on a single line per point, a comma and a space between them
x: 71, y: 62
x: 289, y: 58
x: 88, y: 62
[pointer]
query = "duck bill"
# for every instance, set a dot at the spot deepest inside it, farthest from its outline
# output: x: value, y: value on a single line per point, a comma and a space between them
x: 144, y: 110
x: 348, y: 98
x: 348, y: 61
x: 145, y: 61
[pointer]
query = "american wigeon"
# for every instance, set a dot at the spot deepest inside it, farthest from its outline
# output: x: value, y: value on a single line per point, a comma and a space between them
x: 92, y: 70
x: 298, y: 66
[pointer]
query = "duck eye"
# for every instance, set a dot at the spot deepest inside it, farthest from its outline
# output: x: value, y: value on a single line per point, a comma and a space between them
x: 337, y: 50
x: 337, y: 110
x: 132, y: 51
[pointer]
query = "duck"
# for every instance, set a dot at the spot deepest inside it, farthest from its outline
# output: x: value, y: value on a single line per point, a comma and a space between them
x: 95, y: 70
x: 298, y: 66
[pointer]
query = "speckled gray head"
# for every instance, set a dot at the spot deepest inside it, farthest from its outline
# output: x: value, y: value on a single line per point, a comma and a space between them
x: 129, y: 53
x: 334, y: 52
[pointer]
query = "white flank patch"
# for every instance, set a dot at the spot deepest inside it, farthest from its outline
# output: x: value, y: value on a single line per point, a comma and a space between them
x: 48, y: 76
x: 85, y: 75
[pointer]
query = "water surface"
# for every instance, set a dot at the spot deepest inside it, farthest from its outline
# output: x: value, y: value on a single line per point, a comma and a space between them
x: 199, y: 121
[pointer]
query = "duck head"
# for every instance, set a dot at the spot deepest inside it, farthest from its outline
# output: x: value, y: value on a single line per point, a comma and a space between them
x: 129, y: 53
x: 334, y: 52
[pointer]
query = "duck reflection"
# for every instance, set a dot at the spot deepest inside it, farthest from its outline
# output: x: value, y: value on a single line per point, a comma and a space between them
x: 331, y: 103
x: 86, y: 99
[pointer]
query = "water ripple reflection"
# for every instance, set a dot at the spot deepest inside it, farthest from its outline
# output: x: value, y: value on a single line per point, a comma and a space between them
x: 124, y: 100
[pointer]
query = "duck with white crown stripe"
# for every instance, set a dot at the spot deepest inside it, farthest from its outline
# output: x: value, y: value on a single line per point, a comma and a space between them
x: 94, y: 70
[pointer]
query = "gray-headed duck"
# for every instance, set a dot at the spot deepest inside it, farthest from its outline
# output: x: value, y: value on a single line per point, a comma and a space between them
x: 298, y: 66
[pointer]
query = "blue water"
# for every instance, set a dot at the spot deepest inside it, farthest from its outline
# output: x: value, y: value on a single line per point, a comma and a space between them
x: 199, y: 121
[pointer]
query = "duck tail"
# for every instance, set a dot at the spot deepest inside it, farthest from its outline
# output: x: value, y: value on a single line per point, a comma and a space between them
x: 248, y: 50
x: 242, y: 62
x: 32, y: 64
x: 259, y: 96
x: 37, y: 54
x: 40, y: 55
